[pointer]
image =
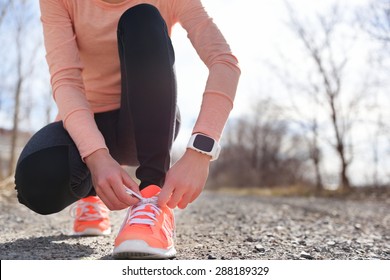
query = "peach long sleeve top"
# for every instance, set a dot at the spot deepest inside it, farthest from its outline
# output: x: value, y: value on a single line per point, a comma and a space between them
x: 82, y: 54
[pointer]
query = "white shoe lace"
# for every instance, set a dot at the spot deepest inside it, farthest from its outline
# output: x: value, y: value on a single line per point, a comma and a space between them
x: 136, y: 211
x: 85, y: 215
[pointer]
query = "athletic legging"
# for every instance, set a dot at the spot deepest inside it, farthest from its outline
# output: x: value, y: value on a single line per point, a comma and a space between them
x: 50, y: 174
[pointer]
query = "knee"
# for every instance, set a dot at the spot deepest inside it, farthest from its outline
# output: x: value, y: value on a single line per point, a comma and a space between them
x: 142, y: 16
x: 42, y: 180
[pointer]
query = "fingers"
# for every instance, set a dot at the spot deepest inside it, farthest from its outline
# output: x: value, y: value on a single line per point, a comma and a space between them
x: 195, y: 195
x: 110, y: 181
x: 165, y: 194
x: 175, y: 198
x: 103, y: 197
x: 178, y: 197
x: 109, y: 198
x: 185, y: 200
x: 120, y: 193
x: 112, y: 191
x: 129, y: 183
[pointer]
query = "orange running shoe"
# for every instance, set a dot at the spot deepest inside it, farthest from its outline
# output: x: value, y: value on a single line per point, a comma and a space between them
x: 91, y: 217
x: 147, y: 231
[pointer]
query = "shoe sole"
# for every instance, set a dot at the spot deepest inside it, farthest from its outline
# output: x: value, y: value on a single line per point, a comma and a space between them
x: 92, y: 232
x: 139, y: 249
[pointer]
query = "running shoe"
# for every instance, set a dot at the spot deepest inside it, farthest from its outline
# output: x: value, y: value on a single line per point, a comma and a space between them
x: 91, y: 217
x: 147, y: 231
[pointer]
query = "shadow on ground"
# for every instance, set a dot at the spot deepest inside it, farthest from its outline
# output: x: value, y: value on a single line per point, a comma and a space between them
x: 44, y: 247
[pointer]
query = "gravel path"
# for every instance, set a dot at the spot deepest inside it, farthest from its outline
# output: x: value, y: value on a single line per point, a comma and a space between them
x: 221, y: 226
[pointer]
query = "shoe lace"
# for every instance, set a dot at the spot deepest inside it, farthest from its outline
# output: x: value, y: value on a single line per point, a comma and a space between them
x: 140, y: 209
x: 88, y: 211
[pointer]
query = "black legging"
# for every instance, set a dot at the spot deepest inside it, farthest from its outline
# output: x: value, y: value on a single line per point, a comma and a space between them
x: 50, y: 174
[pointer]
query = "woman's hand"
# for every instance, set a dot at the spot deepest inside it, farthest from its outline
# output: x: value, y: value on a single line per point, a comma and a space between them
x: 185, y: 180
x: 110, y: 179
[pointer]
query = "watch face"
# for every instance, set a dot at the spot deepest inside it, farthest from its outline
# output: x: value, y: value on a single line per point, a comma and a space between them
x: 204, y: 143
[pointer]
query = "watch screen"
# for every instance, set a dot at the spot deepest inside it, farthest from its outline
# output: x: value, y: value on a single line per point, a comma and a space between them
x: 203, y: 143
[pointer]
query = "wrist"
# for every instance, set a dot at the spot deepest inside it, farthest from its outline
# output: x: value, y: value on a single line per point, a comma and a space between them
x: 194, y: 155
x: 96, y: 156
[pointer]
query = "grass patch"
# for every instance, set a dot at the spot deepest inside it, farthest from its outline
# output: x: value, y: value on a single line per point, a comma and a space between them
x: 274, y: 191
x: 357, y: 193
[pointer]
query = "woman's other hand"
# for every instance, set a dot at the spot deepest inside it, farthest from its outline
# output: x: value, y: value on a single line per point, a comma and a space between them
x: 185, y: 180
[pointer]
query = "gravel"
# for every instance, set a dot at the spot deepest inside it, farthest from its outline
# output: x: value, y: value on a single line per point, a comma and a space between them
x: 221, y: 226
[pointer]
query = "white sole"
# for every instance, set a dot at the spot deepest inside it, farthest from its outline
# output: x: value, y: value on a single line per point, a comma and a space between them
x: 139, y: 249
x: 92, y: 232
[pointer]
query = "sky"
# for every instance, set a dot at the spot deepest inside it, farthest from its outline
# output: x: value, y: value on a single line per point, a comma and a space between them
x: 257, y: 32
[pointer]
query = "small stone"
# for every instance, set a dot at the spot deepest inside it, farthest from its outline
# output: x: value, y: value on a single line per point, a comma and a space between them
x: 331, y: 243
x: 346, y: 248
x: 317, y: 249
x: 306, y: 255
x: 365, y: 242
x: 302, y: 242
x: 280, y: 228
x: 198, y: 246
x: 358, y: 226
x: 376, y: 237
x: 250, y: 239
x: 19, y: 220
x: 294, y: 242
x: 260, y: 248
x: 373, y: 255
x: 211, y: 257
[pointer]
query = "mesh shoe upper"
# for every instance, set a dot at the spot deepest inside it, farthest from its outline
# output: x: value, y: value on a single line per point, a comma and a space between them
x: 91, y: 213
x: 148, y: 222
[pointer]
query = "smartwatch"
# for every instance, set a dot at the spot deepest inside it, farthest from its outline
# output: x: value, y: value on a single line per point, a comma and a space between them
x: 205, y: 145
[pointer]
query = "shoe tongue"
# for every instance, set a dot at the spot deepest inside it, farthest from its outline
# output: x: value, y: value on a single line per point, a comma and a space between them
x: 150, y: 191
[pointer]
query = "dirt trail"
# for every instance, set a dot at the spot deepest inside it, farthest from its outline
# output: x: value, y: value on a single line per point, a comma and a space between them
x: 221, y: 226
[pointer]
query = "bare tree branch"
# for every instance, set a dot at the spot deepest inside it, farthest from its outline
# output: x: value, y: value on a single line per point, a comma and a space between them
x: 4, y: 7
x: 318, y: 43
x: 376, y: 20
x: 24, y: 67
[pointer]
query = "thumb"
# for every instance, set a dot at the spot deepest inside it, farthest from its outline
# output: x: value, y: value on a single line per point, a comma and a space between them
x: 165, y: 195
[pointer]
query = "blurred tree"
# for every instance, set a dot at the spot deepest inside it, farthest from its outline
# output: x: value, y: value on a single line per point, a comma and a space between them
x: 376, y: 20
x: 260, y: 151
x: 308, y: 122
x: 326, y: 82
x: 4, y: 6
x: 20, y: 49
x: 311, y: 137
